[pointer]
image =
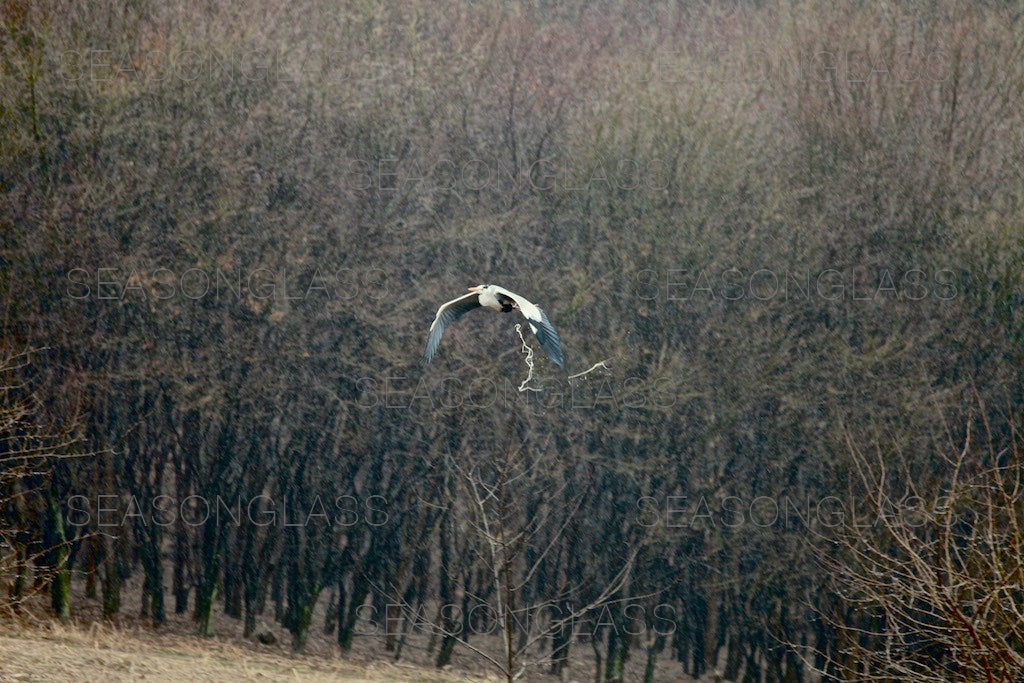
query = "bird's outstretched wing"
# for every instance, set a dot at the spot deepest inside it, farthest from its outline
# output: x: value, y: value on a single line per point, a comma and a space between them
x: 541, y: 326
x: 446, y: 315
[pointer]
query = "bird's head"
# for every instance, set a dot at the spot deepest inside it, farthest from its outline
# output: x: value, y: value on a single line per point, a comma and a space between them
x: 478, y: 288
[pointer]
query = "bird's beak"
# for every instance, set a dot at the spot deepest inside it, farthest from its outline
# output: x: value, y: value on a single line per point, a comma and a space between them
x: 475, y: 289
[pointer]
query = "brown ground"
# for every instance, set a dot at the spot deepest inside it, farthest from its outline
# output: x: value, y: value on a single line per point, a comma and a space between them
x: 34, y: 647
x: 53, y: 652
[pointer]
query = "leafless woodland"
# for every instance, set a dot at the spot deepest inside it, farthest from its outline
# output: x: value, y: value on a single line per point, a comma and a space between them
x: 791, y: 229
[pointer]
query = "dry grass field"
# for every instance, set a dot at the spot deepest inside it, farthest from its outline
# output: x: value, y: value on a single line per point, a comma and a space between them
x: 52, y: 652
x: 36, y: 647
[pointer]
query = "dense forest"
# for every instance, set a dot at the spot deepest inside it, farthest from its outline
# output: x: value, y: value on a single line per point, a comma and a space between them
x: 793, y: 231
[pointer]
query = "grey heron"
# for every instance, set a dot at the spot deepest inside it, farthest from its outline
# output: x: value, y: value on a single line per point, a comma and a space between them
x: 497, y: 299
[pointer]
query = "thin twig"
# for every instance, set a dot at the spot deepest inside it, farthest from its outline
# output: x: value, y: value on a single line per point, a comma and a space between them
x: 528, y: 360
x: 600, y: 364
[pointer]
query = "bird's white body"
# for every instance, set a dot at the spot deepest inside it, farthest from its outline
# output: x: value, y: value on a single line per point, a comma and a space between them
x: 489, y: 297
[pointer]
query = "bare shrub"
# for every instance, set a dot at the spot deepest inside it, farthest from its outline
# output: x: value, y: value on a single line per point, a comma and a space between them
x: 933, y: 568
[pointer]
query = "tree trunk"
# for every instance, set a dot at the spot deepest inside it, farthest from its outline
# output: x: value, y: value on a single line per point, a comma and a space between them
x: 302, y: 617
x: 232, y: 593
x: 653, y: 650
x: 331, y: 615
x: 180, y: 585
x: 60, y: 586
x: 152, y: 566
x: 445, y: 575
x: 712, y: 637
x: 111, y: 579
x: 733, y: 657
x: 91, y: 568
x: 360, y: 588
x: 595, y: 643
x: 17, y: 590
x: 232, y: 580
x: 561, y: 640
x: 618, y: 649
x: 205, y: 599
x: 209, y: 576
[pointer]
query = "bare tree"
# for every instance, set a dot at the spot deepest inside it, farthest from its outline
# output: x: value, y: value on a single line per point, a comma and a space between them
x: 32, y: 524
x: 934, y: 567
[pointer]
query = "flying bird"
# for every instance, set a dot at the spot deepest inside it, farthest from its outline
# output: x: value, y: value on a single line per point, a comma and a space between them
x: 498, y: 299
